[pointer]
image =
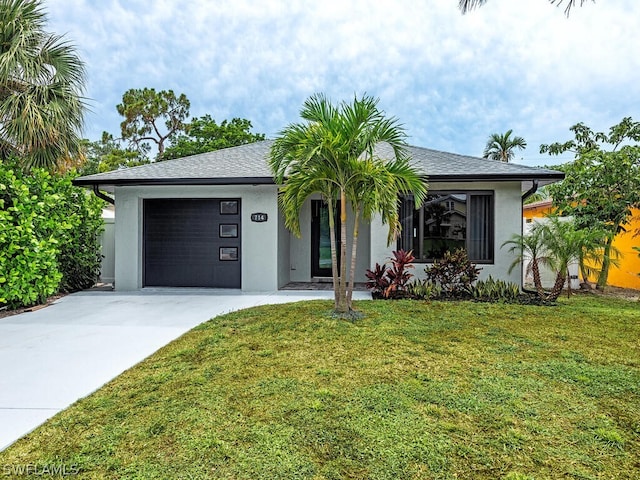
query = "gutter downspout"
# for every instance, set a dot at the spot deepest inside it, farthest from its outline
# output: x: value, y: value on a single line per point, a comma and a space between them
x: 531, y: 191
x: 525, y: 195
x: 101, y: 195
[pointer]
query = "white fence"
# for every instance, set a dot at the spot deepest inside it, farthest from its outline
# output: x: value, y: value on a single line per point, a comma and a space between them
x: 108, y: 247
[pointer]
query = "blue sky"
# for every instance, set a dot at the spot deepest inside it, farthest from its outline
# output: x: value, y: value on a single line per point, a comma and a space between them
x: 452, y: 80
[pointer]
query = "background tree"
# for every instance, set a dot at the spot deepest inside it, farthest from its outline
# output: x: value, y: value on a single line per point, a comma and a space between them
x: 601, y: 187
x: 466, y: 5
x: 151, y: 116
x: 203, y: 135
x: 42, y: 80
x: 501, y: 147
x: 108, y: 154
x: 332, y: 152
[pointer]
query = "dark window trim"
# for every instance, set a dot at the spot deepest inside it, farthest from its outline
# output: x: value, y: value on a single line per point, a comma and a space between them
x: 490, y: 193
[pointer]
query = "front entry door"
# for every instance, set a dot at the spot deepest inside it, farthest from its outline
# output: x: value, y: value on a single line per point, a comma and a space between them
x: 321, y: 238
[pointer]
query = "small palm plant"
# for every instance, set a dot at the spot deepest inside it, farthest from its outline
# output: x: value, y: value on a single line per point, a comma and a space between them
x: 529, y: 246
x: 557, y: 243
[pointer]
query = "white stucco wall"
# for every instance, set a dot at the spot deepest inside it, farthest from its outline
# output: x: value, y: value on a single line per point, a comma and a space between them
x: 259, y: 259
x: 284, y: 246
x: 300, y: 248
x: 508, y: 220
x: 271, y: 256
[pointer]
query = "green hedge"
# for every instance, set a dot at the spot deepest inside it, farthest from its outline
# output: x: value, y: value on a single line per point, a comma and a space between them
x: 49, y: 236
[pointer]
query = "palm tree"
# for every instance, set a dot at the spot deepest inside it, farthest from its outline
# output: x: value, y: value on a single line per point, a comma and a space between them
x: 501, y: 147
x: 557, y: 243
x: 41, y: 84
x: 542, y: 194
x: 374, y: 188
x: 530, y: 247
x: 466, y: 5
x: 566, y: 244
x: 333, y: 153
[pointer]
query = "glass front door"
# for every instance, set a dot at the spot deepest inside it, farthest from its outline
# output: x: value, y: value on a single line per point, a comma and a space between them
x: 321, y: 239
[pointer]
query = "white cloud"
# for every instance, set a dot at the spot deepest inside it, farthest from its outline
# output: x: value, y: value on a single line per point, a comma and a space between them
x: 451, y: 79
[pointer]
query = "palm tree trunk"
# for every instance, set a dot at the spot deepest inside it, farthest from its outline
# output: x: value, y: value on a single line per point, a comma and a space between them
x: 342, y: 306
x: 354, y: 247
x: 557, y: 286
x: 334, y: 256
x: 535, y: 270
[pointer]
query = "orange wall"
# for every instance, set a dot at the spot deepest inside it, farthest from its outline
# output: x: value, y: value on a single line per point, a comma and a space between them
x: 626, y: 275
x: 538, y: 209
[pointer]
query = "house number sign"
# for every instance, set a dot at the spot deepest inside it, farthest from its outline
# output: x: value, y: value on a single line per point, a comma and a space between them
x: 259, y: 217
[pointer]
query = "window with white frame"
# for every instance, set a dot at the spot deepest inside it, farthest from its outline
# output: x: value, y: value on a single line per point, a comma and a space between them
x: 448, y: 221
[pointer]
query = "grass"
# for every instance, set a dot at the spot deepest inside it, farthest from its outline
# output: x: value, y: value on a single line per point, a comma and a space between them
x: 412, y: 390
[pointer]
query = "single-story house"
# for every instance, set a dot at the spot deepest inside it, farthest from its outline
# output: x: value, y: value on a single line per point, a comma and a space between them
x: 212, y: 220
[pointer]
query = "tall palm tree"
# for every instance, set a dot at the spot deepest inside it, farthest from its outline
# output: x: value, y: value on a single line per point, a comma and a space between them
x: 41, y: 84
x: 501, y: 147
x: 466, y: 5
x: 373, y: 189
x: 333, y: 153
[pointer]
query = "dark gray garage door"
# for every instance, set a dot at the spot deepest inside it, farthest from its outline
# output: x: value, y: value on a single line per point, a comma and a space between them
x: 192, y: 243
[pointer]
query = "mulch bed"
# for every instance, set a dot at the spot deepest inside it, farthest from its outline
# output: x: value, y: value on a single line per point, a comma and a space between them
x: 8, y: 313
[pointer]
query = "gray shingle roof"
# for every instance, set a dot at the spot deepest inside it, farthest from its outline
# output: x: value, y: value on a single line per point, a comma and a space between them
x: 247, y: 164
x: 443, y: 166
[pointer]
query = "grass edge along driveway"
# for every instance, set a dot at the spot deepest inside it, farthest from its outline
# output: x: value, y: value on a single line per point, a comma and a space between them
x: 417, y: 390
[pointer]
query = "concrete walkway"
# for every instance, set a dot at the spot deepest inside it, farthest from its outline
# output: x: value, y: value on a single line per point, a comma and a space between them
x: 54, y: 356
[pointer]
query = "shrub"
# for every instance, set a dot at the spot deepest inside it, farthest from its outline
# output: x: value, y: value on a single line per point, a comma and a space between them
x: 28, y: 247
x: 378, y: 281
x: 49, y: 233
x: 80, y: 258
x: 398, y: 275
x: 454, y: 273
x: 423, y: 290
x: 491, y: 290
x: 391, y: 282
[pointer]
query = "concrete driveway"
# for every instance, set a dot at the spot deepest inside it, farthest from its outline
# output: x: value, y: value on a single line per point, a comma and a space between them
x: 54, y: 356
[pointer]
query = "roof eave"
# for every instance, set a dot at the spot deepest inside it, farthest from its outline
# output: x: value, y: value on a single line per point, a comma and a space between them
x: 495, y: 178
x: 86, y: 182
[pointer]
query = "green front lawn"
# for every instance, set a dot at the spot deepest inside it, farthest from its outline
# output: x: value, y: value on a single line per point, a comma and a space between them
x: 413, y: 390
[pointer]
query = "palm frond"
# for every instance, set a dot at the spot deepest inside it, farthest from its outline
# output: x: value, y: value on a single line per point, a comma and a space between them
x: 41, y: 84
x: 467, y: 5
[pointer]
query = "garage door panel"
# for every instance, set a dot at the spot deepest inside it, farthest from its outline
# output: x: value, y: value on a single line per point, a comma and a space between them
x: 182, y: 241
